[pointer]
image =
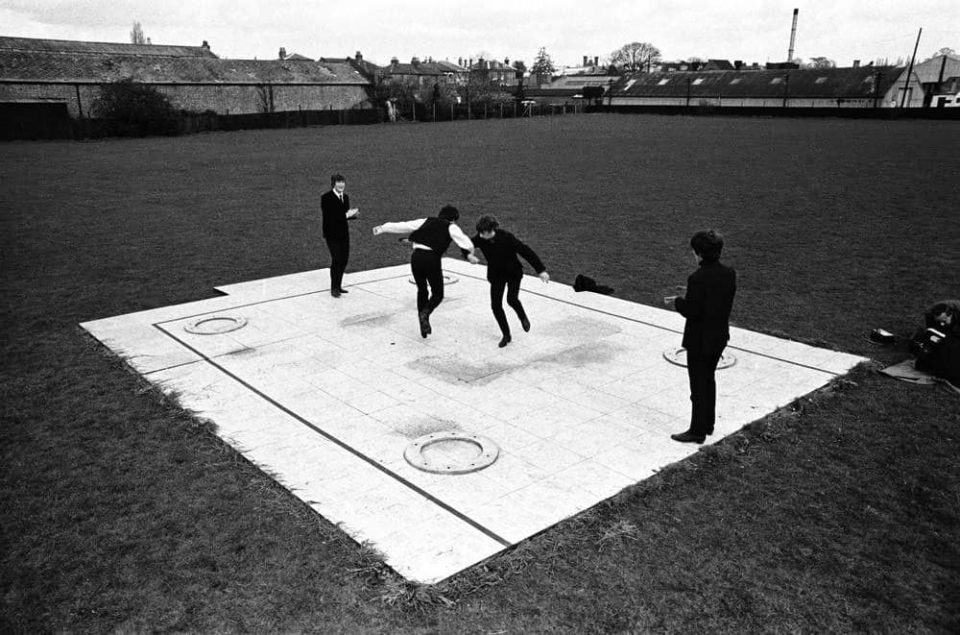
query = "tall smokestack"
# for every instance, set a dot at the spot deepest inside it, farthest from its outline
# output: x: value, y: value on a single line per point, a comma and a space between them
x: 793, y: 35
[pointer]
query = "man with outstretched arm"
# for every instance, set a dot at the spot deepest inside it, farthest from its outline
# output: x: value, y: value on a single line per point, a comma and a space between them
x: 430, y: 238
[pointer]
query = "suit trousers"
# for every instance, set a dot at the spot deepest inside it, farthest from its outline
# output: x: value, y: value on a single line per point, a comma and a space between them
x: 426, y: 268
x: 339, y: 255
x: 512, y: 287
x: 701, y: 369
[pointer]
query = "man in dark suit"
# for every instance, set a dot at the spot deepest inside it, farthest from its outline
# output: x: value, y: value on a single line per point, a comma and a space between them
x: 336, y: 210
x: 706, y: 306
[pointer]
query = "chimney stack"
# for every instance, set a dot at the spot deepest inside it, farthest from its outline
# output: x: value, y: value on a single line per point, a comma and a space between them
x: 415, y: 61
x: 856, y: 63
x: 585, y: 60
x: 359, y: 57
x: 283, y: 53
x: 596, y: 60
x: 793, y: 35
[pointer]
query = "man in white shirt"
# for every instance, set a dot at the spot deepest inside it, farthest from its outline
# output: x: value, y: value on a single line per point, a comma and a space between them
x: 430, y: 238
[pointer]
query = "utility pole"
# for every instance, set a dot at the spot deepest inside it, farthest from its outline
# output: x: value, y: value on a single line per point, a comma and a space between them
x: 906, y: 85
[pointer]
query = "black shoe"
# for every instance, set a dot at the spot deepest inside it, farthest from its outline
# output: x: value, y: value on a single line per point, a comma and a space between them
x: 525, y: 323
x: 688, y: 437
x: 504, y: 341
x: 335, y: 293
x: 425, y: 329
x: 341, y: 290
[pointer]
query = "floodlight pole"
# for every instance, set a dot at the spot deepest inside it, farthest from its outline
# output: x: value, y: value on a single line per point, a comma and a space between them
x: 906, y: 85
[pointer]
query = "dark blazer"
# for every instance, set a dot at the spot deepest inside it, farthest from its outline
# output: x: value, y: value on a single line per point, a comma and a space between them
x: 335, y: 216
x: 707, y: 305
x: 501, y: 256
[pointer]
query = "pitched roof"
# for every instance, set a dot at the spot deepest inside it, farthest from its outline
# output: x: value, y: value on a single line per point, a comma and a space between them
x: 67, y: 47
x: 929, y: 70
x: 718, y: 65
x: 78, y: 64
x: 829, y: 83
x: 420, y: 68
x: 450, y: 67
x: 579, y: 81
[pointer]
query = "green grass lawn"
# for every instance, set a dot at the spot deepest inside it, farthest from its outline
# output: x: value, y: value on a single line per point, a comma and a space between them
x: 841, y: 513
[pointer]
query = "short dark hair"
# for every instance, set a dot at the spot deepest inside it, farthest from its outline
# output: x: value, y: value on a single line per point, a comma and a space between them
x: 449, y: 213
x: 487, y: 224
x: 708, y: 244
x: 336, y: 178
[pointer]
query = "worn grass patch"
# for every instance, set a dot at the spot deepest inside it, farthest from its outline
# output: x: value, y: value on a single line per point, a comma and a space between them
x: 121, y: 512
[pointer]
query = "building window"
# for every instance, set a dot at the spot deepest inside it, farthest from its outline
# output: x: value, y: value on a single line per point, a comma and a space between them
x: 776, y: 80
x: 629, y: 84
x: 821, y: 80
x: 698, y: 81
x: 663, y: 81
x: 735, y: 80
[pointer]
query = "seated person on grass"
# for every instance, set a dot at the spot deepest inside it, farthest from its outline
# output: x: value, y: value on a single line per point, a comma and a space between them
x: 937, y: 345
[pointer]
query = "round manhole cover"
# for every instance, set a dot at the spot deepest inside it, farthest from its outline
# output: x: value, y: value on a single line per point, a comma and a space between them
x: 678, y: 356
x: 447, y: 279
x: 451, y: 453
x: 215, y: 324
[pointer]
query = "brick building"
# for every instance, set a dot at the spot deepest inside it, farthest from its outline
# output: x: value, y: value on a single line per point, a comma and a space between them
x: 193, y: 78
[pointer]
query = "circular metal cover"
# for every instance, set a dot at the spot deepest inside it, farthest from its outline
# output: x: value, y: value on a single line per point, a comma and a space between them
x: 451, y: 453
x: 215, y: 324
x: 678, y: 356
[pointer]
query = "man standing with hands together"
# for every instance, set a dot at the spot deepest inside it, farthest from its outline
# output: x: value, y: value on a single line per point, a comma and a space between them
x: 706, y: 305
x: 336, y: 210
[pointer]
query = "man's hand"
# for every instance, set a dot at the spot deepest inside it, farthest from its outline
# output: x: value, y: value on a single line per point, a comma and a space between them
x: 377, y: 230
x: 473, y: 259
x: 545, y: 277
x: 353, y: 213
x: 670, y: 301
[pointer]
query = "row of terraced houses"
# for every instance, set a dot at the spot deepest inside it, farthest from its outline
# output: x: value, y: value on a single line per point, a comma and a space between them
x: 36, y: 73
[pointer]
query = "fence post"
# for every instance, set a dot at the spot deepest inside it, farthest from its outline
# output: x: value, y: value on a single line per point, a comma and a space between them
x: 501, y: 110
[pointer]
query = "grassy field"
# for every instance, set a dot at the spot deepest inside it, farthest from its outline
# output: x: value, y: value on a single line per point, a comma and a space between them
x: 120, y: 512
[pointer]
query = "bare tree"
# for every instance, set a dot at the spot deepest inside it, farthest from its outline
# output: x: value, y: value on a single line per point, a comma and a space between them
x: 820, y: 62
x: 636, y: 56
x: 946, y: 51
x: 137, y: 36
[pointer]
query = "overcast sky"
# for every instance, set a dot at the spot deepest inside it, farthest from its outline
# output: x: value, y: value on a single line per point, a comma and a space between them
x: 748, y: 30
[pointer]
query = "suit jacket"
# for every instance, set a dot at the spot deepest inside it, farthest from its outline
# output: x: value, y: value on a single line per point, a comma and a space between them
x: 707, y: 305
x: 335, y: 216
x: 501, y: 256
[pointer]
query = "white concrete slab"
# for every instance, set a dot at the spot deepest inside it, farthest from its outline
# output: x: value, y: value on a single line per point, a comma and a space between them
x: 325, y: 395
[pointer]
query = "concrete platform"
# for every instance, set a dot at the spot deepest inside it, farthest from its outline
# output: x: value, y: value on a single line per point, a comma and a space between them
x: 325, y: 395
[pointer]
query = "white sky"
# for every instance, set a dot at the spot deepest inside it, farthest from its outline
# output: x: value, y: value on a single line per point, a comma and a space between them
x: 748, y: 30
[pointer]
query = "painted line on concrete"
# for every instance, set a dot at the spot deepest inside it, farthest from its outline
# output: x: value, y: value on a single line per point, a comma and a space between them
x: 542, y: 295
x: 489, y: 533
